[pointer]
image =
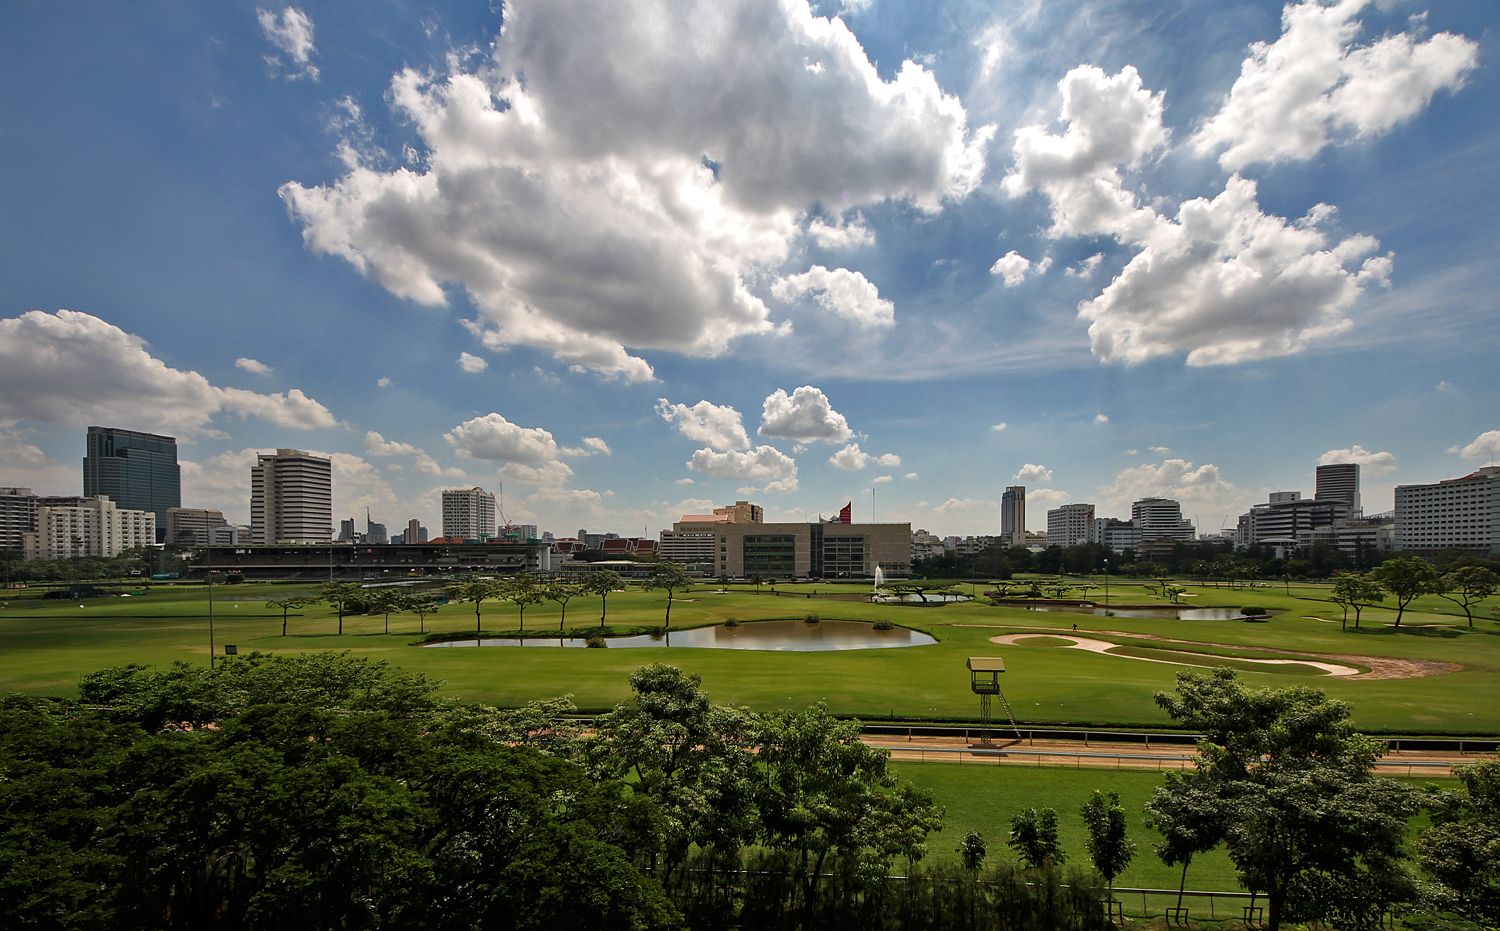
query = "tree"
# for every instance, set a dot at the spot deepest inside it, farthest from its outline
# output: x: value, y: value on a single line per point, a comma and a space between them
x: 341, y: 595
x: 1462, y: 849
x: 1186, y: 813
x: 823, y: 791
x: 920, y: 589
x: 670, y: 576
x: 475, y: 590
x: 1109, y: 847
x: 1033, y: 836
x: 601, y: 582
x: 1467, y: 586
x: 971, y: 851
x: 386, y: 600
x: 421, y: 606
x: 1407, y: 578
x: 1304, y: 819
x: 1355, y: 590
x: 291, y: 603
x: 562, y: 593
x: 523, y: 591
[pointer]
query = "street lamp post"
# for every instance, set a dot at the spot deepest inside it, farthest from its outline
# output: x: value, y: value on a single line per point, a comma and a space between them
x: 1106, y: 583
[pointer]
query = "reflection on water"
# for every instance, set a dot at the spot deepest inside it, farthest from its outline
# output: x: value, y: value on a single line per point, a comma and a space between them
x: 762, y: 635
x: 1181, y: 614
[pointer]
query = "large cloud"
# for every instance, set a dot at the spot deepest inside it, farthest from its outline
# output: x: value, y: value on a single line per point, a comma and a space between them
x: 719, y: 426
x: 617, y: 171
x: 1485, y: 446
x: 495, y: 438
x: 848, y: 294
x: 805, y: 415
x: 1371, y: 463
x: 1221, y: 281
x: 1203, y: 487
x: 74, y: 369
x: 764, y: 464
x: 1313, y: 86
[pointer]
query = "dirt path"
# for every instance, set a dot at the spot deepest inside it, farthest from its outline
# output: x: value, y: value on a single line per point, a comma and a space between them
x: 1381, y: 667
x: 1104, y: 647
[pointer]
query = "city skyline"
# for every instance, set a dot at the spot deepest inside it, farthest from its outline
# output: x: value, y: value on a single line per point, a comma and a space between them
x: 1107, y: 257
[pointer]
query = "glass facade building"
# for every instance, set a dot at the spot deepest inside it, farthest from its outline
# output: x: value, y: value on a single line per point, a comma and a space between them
x: 137, y: 471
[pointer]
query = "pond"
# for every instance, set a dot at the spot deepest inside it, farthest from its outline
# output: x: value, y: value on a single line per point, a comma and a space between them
x: 798, y: 636
x: 1181, y: 614
x: 926, y: 598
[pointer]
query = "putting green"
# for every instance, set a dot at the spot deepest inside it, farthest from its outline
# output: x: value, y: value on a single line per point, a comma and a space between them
x: 46, y: 647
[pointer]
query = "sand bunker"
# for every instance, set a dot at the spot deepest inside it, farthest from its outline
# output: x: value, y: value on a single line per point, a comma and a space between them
x: 1105, y: 647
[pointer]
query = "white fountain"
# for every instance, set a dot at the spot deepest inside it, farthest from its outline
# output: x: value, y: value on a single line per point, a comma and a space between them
x: 879, y: 578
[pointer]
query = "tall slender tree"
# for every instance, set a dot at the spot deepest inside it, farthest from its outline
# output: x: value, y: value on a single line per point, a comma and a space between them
x: 341, y: 595
x: 669, y: 576
x: 1407, y: 578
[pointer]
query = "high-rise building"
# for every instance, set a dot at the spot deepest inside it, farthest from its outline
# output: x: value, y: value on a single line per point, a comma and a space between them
x: 183, y: 524
x: 1288, y: 520
x: 347, y: 533
x: 291, y: 498
x: 17, y: 517
x: 137, y: 471
x: 1013, y: 516
x: 414, y: 532
x: 1338, y: 482
x: 1160, y: 519
x: 468, y: 513
x: 1459, y: 513
x: 1071, y: 525
x: 94, y: 527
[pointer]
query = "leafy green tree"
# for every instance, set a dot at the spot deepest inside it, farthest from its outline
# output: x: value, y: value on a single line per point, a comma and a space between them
x: 971, y: 851
x: 562, y: 593
x: 1110, y: 849
x: 1462, y: 849
x: 601, y: 582
x: 1186, y: 813
x: 476, y: 591
x: 1305, y: 820
x: 341, y: 596
x: 1467, y: 586
x: 1407, y: 578
x: 422, y: 605
x: 688, y: 755
x: 523, y: 591
x: 291, y: 603
x: 823, y: 791
x: 668, y: 576
x: 387, y: 600
x: 1033, y: 836
x: 1355, y: 590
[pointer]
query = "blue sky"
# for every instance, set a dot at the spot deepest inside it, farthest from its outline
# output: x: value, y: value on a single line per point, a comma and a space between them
x: 634, y: 259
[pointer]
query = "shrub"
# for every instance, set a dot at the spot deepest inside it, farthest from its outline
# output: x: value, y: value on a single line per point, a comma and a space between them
x: 1252, y: 611
x: 595, y: 642
x: 732, y: 622
x: 884, y: 625
x: 811, y: 619
x: 656, y: 632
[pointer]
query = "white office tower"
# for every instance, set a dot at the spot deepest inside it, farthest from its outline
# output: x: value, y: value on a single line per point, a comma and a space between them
x: 1338, y: 482
x: 468, y: 513
x: 1013, y: 516
x: 93, y: 527
x: 1160, y: 519
x: 1460, y: 513
x: 291, y: 498
x: 17, y: 516
x: 1070, y: 525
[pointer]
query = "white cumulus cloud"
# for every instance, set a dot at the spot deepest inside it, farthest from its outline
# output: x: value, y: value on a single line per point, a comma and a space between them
x: 999, y: 426
x: 806, y: 415
x: 849, y: 235
x: 1485, y: 446
x: 250, y: 365
x: 1371, y: 463
x: 1314, y: 86
x: 1221, y: 281
x: 291, y: 31
x: 880, y: 479
x: 720, y: 426
x: 75, y: 369
x: 1033, y: 473
x: 850, y: 457
x: 1014, y: 266
x: 1199, y: 487
x: 472, y: 363
x: 616, y: 172
x: 841, y: 291
x: 493, y: 437
x: 764, y: 464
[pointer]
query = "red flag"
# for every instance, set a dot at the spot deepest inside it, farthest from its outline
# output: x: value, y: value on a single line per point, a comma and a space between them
x: 846, y: 516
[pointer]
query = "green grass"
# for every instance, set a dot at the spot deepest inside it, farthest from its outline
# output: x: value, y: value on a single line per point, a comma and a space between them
x: 983, y: 799
x: 46, y: 646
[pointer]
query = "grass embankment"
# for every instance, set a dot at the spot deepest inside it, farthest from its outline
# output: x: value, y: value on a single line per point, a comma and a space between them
x: 46, y: 646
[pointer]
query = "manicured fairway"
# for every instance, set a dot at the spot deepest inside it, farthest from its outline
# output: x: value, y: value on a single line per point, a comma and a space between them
x: 45, y: 647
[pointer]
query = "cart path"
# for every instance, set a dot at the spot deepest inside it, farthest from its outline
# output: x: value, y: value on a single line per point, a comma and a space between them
x: 1104, y: 647
x: 1381, y: 667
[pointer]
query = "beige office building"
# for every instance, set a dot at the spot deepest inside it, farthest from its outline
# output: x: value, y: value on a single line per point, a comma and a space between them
x: 468, y: 514
x: 183, y: 524
x: 291, y: 498
x: 740, y: 547
x: 93, y: 527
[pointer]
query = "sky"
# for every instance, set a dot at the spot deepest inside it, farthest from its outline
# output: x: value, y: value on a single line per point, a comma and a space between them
x: 630, y: 259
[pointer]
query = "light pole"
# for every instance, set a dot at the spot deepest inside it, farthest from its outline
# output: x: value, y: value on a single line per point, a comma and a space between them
x: 1106, y: 583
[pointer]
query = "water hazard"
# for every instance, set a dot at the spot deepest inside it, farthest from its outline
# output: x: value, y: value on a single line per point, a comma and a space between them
x: 795, y: 636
